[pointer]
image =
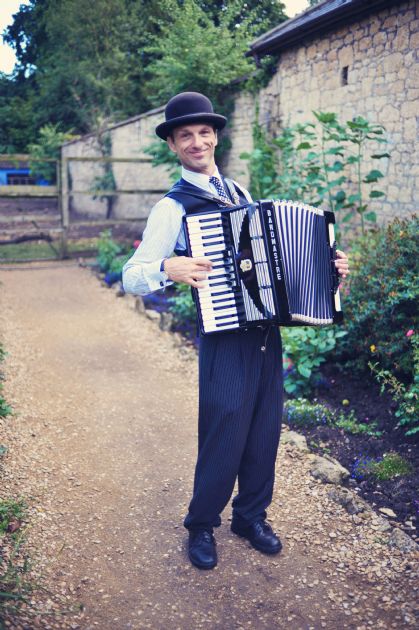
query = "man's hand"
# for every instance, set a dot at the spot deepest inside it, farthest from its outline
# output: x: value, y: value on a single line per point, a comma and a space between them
x: 342, y: 264
x: 192, y: 271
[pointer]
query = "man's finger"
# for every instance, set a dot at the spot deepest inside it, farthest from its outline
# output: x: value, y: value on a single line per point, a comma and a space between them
x: 203, y: 262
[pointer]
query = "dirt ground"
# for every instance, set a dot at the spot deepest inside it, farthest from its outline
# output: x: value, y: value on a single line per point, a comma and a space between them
x: 103, y: 446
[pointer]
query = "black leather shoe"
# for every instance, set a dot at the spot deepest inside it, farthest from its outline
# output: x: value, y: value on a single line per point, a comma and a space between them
x: 260, y: 536
x: 202, y: 551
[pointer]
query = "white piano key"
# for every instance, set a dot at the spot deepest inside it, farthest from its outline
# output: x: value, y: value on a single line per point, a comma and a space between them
x: 199, y: 251
x: 199, y: 235
x: 214, y: 328
x: 222, y: 289
x: 209, y: 318
x: 202, y: 228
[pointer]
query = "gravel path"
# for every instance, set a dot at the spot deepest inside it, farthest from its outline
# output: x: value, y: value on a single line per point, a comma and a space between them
x: 103, y: 447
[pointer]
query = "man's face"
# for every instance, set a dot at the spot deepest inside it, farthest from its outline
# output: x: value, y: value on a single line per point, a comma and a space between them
x: 195, y: 145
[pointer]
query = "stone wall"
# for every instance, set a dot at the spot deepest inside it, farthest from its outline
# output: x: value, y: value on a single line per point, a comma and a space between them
x: 128, y: 140
x: 380, y: 54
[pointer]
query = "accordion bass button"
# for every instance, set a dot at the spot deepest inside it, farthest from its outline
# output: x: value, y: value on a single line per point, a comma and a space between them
x: 263, y: 348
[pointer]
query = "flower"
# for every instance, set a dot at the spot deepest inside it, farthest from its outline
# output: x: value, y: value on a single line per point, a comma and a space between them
x: 410, y: 333
x: 372, y: 348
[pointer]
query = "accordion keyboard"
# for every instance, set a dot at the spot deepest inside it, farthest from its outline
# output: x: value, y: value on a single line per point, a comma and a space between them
x: 221, y: 305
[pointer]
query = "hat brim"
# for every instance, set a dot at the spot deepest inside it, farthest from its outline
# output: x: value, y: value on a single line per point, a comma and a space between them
x: 165, y: 128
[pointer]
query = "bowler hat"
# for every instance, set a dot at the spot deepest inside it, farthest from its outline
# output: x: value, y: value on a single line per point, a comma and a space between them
x: 187, y: 108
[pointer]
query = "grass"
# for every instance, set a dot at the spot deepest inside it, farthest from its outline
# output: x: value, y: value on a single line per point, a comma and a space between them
x: 11, y: 510
x: 392, y: 465
x: 350, y: 424
x: 32, y: 250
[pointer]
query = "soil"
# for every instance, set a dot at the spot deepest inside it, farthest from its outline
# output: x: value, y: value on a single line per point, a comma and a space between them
x: 102, y: 446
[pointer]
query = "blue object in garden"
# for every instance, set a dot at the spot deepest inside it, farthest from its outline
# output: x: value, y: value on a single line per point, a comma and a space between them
x: 112, y: 277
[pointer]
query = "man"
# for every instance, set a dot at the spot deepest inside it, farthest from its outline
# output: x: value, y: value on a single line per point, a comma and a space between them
x: 240, y: 373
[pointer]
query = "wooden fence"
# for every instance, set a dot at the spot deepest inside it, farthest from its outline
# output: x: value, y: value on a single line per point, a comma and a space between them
x: 44, y: 212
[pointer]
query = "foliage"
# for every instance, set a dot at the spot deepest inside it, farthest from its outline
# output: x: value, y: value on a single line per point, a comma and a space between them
x: 350, y: 424
x: 80, y: 62
x: 10, y: 510
x: 162, y: 155
x: 406, y: 397
x: 380, y: 300
x: 5, y: 409
x: 182, y: 305
x: 107, y: 251
x: 17, y: 124
x: 301, y: 412
x: 390, y: 466
x: 47, y: 148
x: 305, y: 349
x: 324, y: 162
x: 106, y: 181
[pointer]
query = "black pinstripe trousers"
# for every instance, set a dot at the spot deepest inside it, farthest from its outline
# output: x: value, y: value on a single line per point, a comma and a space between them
x: 240, y: 414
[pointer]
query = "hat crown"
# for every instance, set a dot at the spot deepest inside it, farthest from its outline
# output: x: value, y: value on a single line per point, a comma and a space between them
x: 187, y: 103
x: 188, y: 108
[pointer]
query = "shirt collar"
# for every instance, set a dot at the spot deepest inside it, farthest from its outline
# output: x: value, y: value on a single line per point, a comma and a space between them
x: 199, y: 179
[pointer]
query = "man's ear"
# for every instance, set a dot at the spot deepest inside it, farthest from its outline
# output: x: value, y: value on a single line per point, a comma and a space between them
x: 171, y: 143
x: 216, y: 137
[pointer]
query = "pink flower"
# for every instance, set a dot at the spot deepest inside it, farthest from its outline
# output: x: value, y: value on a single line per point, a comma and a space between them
x: 410, y: 333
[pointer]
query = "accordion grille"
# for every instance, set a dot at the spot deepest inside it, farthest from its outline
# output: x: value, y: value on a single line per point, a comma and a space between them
x: 306, y: 261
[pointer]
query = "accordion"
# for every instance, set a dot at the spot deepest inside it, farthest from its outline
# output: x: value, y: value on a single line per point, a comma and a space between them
x: 273, y: 263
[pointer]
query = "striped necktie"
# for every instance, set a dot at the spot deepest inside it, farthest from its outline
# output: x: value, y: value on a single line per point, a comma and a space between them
x: 220, y: 188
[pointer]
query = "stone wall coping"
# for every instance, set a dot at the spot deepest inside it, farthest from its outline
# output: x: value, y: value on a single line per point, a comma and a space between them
x: 127, y: 121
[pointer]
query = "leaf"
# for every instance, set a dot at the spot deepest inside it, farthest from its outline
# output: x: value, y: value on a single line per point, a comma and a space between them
x: 371, y: 216
x: 372, y: 176
x: 325, y: 117
x: 378, y: 156
x: 303, y: 145
x: 376, y: 193
x: 340, y: 196
x: 304, y: 371
x: 347, y: 217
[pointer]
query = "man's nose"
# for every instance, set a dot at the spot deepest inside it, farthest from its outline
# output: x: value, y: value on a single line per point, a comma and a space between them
x: 197, y: 141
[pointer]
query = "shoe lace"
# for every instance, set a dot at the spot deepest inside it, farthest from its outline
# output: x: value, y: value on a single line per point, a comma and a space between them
x: 204, y: 535
x: 264, y: 527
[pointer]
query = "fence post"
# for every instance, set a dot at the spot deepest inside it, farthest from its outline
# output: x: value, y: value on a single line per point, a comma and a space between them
x: 65, y: 206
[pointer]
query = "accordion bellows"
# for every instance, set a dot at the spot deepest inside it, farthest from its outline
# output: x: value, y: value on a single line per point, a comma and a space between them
x: 273, y: 262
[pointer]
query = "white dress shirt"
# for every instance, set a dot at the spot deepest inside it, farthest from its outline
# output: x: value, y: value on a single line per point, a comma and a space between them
x: 163, y: 234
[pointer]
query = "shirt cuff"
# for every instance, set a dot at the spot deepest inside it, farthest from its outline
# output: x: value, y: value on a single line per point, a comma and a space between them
x: 157, y: 279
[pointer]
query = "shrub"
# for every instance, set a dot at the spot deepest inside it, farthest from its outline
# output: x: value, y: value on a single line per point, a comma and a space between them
x: 391, y: 465
x: 379, y: 301
x: 11, y: 510
x: 301, y: 412
x: 325, y: 162
x: 350, y: 424
x: 406, y: 397
x: 182, y: 305
x: 305, y: 349
x: 107, y: 250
